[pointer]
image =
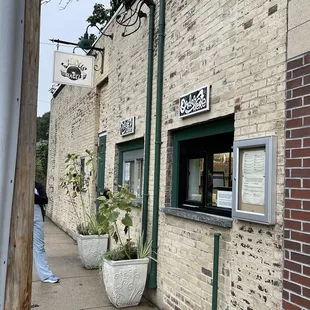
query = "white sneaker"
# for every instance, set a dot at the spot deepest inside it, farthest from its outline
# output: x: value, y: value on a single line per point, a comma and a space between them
x: 51, y: 279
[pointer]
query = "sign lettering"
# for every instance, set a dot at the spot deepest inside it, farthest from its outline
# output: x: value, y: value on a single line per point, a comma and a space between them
x: 195, y: 102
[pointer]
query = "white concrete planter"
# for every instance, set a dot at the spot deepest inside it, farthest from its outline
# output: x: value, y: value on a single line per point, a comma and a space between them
x: 91, y: 248
x: 125, y: 281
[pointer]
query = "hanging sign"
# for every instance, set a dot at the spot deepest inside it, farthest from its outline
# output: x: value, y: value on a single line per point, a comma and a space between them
x: 195, y: 102
x: 127, y: 126
x: 72, y: 69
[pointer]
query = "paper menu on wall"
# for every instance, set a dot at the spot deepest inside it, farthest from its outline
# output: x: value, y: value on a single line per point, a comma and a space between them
x: 253, y: 175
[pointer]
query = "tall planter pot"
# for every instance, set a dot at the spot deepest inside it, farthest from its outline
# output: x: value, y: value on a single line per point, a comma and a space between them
x: 91, y: 249
x: 125, y: 281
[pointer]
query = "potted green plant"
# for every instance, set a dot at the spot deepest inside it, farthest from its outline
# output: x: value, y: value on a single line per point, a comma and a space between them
x: 124, y: 268
x: 77, y: 180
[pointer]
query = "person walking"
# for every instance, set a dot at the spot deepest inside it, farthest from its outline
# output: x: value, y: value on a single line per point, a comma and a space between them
x: 39, y: 254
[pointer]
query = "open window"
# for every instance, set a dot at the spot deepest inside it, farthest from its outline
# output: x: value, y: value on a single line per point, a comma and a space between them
x: 203, y: 168
x: 205, y: 173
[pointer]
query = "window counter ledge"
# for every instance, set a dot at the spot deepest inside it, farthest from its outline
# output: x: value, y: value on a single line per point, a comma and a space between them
x: 136, y: 202
x: 211, y: 219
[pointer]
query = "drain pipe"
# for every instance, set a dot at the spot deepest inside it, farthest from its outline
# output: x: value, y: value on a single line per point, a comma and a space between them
x: 215, y: 270
x: 160, y: 74
x: 148, y: 117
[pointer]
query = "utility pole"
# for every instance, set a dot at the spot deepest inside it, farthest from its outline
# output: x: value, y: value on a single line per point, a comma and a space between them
x: 18, y: 111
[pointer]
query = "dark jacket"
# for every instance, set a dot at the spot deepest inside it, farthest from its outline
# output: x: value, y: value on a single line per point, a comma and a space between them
x: 40, y: 199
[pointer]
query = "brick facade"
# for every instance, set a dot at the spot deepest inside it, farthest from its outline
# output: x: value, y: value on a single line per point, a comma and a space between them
x: 73, y: 129
x: 296, y: 284
x: 238, y: 47
x: 246, y: 68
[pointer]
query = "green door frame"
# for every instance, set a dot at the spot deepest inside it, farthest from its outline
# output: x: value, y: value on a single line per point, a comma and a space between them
x: 102, y: 141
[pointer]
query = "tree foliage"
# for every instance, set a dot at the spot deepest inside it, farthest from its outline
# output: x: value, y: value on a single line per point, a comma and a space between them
x: 101, y: 15
x: 41, y: 161
x: 43, y: 123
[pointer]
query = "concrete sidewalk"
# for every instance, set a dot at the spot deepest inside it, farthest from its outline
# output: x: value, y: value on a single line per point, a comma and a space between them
x: 79, y: 289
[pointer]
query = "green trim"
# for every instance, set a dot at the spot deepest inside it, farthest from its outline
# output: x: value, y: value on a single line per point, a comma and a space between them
x: 101, y: 162
x: 198, y: 131
x: 148, y: 119
x: 102, y: 143
x: 206, y: 129
x: 120, y: 169
x: 125, y: 147
x: 152, y: 283
x: 215, y: 281
x: 175, y: 173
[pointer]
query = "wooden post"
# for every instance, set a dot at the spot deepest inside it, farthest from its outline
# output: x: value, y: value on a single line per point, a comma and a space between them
x: 19, y: 270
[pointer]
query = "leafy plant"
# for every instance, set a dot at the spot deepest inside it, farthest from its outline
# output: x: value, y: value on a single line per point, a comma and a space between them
x: 89, y: 228
x: 110, y: 209
x: 92, y: 38
x: 77, y: 186
x: 120, y: 253
x: 116, y: 209
x: 144, y: 249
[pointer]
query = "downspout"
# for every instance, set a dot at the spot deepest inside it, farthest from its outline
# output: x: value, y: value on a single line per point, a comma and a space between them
x: 160, y: 75
x: 215, y: 280
x: 148, y: 116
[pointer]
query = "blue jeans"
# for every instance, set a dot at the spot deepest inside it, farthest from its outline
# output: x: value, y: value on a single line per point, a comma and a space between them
x: 39, y: 254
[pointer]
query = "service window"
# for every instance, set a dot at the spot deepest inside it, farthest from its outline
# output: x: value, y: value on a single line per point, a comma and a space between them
x: 205, y: 174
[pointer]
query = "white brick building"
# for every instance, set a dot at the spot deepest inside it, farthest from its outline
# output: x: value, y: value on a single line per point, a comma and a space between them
x: 238, y: 47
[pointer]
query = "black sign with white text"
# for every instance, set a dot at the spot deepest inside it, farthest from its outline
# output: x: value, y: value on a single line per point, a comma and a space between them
x: 127, y: 126
x: 195, y: 102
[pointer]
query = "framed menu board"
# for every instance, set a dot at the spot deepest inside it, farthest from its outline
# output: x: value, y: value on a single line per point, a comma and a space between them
x: 254, y: 189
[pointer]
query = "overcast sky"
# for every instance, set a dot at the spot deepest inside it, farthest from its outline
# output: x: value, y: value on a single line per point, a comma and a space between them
x: 68, y: 25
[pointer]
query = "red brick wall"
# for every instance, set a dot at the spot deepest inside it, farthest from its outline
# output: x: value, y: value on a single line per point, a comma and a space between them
x: 296, y: 285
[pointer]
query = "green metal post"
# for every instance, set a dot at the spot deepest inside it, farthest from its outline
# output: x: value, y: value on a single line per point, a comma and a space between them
x: 148, y: 117
x: 215, y: 269
x: 160, y: 76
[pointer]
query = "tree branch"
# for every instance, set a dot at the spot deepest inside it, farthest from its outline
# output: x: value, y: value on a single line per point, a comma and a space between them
x: 59, y: 3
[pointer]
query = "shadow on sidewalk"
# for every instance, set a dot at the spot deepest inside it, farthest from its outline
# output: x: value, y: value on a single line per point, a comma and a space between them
x: 79, y: 289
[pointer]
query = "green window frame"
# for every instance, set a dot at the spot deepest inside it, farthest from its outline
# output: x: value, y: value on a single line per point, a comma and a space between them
x: 126, y: 147
x: 216, y: 127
